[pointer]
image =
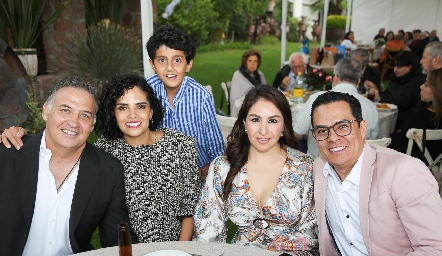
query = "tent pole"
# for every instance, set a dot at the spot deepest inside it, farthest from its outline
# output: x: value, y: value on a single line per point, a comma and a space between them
x: 347, y: 22
x: 147, y: 31
x: 324, y: 22
x: 283, y: 31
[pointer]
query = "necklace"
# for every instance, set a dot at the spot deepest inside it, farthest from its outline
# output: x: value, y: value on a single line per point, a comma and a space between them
x: 59, y: 187
x: 155, y: 139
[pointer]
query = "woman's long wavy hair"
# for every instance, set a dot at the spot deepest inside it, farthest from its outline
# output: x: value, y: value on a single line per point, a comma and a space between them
x: 106, y: 122
x: 435, y: 82
x: 238, y: 143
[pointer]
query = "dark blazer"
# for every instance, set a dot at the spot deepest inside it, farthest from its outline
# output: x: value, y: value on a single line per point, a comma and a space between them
x: 98, y: 201
x: 370, y: 74
x: 283, y: 73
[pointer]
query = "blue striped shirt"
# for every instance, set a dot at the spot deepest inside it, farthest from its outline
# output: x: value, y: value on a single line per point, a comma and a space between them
x: 194, y: 115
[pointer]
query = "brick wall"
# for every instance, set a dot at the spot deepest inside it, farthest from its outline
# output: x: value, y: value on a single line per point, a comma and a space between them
x: 54, y: 36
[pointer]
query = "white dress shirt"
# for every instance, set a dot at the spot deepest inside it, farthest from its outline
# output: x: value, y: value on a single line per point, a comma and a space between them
x: 302, y: 123
x: 342, y: 209
x: 349, y: 44
x: 49, y: 233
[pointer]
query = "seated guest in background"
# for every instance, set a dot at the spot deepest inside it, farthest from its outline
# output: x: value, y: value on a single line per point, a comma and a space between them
x: 419, y: 47
x: 58, y: 189
x: 368, y: 73
x: 248, y: 75
x: 416, y: 34
x: 408, y: 38
x: 400, y: 34
x: 262, y: 184
x: 286, y: 77
x: 346, y: 77
x: 381, y: 34
x: 433, y: 36
x: 389, y: 36
x: 403, y: 89
x: 349, y: 41
x: 427, y: 117
x: 370, y: 200
x: 394, y: 44
x: 432, y: 57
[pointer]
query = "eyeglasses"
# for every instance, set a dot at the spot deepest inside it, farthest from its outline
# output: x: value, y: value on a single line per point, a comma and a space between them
x: 342, y: 128
x: 298, y: 67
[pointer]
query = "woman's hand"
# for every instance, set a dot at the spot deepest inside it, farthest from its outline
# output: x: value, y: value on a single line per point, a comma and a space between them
x: 13, y: 135
x: 369, y: 84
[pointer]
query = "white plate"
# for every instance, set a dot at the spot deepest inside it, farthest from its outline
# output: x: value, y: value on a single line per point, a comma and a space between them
x: 392, y: 106
x: 168, y: 253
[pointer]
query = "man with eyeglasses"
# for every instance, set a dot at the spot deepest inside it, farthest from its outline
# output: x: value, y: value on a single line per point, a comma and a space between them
x: 432, y: 57
x: 370, y: 200
x: 347, y: 73
x: 286, y: 77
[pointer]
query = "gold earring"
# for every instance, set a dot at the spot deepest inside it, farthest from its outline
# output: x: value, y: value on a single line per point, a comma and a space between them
x: 282, y: 134
x: 245, y: 129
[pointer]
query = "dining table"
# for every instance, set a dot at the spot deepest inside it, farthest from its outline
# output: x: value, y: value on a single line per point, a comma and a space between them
x: 386, y: 116
x: 191, y: 248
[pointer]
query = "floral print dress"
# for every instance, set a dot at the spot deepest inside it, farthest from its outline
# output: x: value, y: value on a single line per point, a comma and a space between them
x: 287, y: 221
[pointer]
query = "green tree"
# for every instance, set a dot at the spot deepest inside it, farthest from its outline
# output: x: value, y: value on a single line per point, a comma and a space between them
x: 335, y: 6
x: 246, y: 14
x: 192, y: 16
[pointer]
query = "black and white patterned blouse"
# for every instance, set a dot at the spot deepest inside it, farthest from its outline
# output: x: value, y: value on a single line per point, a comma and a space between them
x: 161, y: 181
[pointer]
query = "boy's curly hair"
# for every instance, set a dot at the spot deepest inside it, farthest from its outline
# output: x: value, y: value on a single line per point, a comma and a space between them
x: 173, y: 38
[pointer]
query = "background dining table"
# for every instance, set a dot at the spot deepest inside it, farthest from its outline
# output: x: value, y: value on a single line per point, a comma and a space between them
x: 192, y: 248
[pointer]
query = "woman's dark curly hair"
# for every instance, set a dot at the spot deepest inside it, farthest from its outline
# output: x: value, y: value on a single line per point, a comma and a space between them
x: 238, y: 143
x: 117, y: 87
x: 171, y: 37
x: 249, y: 53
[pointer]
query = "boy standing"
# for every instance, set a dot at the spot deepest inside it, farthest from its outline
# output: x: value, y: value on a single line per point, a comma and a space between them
x: 188, y: 106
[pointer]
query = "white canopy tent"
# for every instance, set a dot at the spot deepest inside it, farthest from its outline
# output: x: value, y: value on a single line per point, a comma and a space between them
x: 369, y: 16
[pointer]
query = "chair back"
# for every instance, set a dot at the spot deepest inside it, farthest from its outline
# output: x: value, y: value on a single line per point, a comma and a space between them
x: 209, y: 88
x: 387, y: 63
x: 416, y: 136
x: 225, y: 124
x: 384, y: 142
x: 225, y: 86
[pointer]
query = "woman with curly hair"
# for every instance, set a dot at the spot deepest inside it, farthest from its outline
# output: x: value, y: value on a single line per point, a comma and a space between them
x: 262, y: 184
x: 247, y: 76
x: 161, y: 179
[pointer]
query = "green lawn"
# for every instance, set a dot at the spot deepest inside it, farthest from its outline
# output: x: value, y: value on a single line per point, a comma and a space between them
x: 212, y: 68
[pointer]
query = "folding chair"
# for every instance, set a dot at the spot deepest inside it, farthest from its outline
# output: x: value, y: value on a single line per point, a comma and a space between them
x: 225, y: 124
x: 384, y: 142
x: 387, y: 63
x: 416, y: 136
x: 225, y: 86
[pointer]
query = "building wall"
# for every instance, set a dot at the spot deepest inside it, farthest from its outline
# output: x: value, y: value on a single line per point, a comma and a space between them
x: 72, y: 19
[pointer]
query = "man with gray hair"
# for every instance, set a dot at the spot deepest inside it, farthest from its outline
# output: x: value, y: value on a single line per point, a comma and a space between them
x: 347, y: 73
x: 368, y: 73
x: 432, y: 57
x: 286, y: 77
x: 57, y: 189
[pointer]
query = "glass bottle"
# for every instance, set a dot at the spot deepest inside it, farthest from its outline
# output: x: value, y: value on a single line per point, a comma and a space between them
x: 124, y: 240
x: 298, y: 92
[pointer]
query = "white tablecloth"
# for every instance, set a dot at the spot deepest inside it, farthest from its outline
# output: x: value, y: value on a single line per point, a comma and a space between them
x: 194, y: 248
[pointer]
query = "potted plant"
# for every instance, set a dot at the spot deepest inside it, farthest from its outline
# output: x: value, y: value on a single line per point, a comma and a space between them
x: 23, y: 18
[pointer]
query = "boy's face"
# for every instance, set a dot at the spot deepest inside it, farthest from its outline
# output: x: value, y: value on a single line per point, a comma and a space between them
x: 170, y: 65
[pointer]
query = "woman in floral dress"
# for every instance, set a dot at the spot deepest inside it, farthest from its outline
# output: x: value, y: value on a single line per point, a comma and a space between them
x: 262, y: 184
